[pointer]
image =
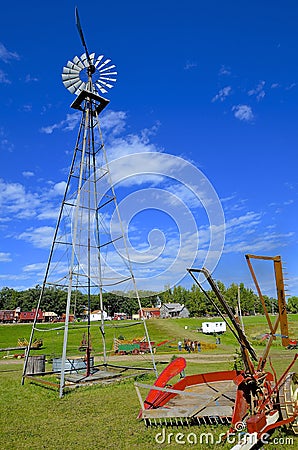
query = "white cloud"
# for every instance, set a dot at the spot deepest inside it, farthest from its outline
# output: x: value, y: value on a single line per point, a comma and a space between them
x: 261, y: 242
x: 58, y: 189
x: 246, y: 233
x: 3, y: 77
x: 49, y: 212
x: 190, y: 65
x: 40, y: 237
x: 18, y: 203
x: 222, y: 94
x: 249, y: 219
x: 258, y: 91
x: 113, y: 121
x: 275, y: 85
x: 14, y: 199
x: 224, y: 70
x: 11, y: 277
x: 29, y: 78
x: 67, y: 124
x: 129, y: 144
x: 28, y: 174
x: 243, y: 112
x: 6, y: 55
x: 6, y: 145
x: 36, y: 267
x: 5, y: 257
x: 27, y: 108
x: 291, y: 86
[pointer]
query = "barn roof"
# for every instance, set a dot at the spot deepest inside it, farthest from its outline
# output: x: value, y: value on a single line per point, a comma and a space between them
x: 173, y: 306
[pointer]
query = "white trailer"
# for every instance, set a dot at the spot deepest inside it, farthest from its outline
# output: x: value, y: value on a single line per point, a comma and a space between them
x: 214, y: 327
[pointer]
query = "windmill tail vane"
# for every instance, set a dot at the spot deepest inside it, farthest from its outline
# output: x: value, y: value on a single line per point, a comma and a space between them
x: 78, y: 24
x: 88, y: 72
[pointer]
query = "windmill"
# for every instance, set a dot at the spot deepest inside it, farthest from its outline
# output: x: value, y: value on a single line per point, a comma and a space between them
x: 79, y: 258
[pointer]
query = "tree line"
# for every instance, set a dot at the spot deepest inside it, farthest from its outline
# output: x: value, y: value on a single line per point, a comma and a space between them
x: 54, y: 299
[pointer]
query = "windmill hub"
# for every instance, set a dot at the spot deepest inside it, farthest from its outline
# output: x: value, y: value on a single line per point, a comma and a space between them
x: 91, y: 69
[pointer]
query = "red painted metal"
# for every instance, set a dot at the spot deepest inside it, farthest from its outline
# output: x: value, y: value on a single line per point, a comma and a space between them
x: 240, y: 409
x: 173, y: 369
x: 28, y: 316
x: 156, y: 399
x: 278, y: 424
x: 256, y: 423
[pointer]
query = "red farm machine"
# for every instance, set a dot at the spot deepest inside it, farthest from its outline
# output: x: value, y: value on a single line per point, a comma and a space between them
x: 132, y: 347
x: 253, y: 400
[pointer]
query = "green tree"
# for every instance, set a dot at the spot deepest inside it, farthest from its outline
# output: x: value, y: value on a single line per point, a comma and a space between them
x: 166, y: 296
x: 292, y: 305
x: 9, y: 298
x: 196, y: 301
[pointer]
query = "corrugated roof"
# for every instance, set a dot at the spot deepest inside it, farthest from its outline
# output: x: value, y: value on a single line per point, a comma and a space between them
x: 173, y: 306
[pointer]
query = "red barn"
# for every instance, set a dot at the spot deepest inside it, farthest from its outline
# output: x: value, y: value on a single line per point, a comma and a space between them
x: 149, y: 313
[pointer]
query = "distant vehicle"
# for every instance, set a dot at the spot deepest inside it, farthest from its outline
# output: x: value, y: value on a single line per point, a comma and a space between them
x: 214, y: 327
x: 120, y: 316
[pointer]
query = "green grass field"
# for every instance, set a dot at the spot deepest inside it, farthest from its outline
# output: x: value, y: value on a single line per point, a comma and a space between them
x: 33, y: 417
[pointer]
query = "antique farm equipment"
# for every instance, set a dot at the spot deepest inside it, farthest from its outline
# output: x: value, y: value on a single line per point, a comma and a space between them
x: 252, y: 397
x: 36, y: 343
x: 132, y: 346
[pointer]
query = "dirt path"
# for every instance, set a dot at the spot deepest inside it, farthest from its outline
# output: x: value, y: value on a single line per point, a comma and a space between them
x: 195, y: 358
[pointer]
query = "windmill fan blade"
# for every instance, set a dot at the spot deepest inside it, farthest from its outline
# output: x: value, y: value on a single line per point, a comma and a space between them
x: 78, y: 62
x: 71, y: 65
x: 71, y: 71
x: 78, y: 84
x: 108, y: 68
x: 103, y: 80
x: 102, y: 90
x: 70, y: 88
x: 108, y: 79
x: 84, y: 59
x: 108, y: 74
x: 91, y: 58
x: 104, y: 63
x: 69, y: 76
x: 98, y: 60
x: 105, y: 84
x: 70, y: 83
x: 80, y: 88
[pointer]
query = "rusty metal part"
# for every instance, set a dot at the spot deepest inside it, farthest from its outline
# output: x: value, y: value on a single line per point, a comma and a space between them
x: 281, y: 298
x: 246, y: 347
x: 288, y: 400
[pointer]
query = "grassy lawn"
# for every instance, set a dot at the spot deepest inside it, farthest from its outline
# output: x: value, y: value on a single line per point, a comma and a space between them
x: 159, y: 330
x: 33, y: 417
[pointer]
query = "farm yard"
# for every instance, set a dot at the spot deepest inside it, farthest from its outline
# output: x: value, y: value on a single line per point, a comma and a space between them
x: 186, y: 169
x: 104, y: 416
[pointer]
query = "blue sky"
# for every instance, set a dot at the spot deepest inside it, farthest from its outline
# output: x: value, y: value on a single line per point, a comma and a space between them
x: 215, y: 83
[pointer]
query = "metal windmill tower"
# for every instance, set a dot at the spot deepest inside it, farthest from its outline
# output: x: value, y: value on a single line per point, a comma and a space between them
x: 79, y: 258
